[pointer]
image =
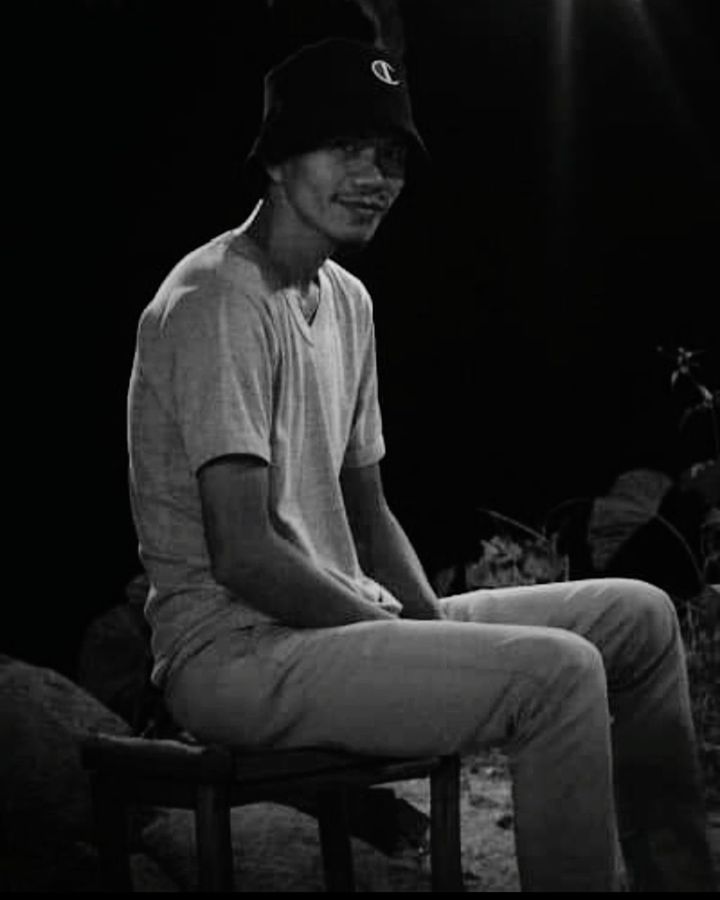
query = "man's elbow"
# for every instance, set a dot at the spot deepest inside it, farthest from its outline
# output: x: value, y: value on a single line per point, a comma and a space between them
x: 242, y: 567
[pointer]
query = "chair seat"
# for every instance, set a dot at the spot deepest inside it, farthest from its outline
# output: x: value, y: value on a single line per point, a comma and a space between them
x: 173, y: 759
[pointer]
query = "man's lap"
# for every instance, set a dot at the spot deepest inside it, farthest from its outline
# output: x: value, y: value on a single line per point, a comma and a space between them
x: 387, y: 686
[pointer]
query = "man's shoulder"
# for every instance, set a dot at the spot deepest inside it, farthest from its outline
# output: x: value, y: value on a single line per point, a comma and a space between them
x: 205, y: 279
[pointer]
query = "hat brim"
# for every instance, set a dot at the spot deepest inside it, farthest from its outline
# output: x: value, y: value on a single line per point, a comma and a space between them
x: 281, y: 141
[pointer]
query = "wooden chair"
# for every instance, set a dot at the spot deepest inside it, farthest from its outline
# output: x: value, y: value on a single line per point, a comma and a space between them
x: 212, y: 779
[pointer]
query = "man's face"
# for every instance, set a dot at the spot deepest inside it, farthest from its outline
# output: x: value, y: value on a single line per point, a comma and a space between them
x: 341, y: 192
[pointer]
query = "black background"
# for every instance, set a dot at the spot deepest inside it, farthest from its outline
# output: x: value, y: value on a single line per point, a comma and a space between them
x: 568, y: 225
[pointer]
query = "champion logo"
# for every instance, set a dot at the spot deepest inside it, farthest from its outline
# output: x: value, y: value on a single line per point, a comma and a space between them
x: 384, y: 71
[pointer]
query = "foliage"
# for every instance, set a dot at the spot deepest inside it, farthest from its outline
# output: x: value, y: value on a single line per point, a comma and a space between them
x: 507, y: 562
x: 602, y: 536
x: 635, y: 498
x: 700, y: 626
x: 696, y: 398
x: 514, y: 554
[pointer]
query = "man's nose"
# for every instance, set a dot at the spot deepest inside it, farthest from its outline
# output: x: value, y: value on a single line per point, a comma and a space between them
x: 367, y: 166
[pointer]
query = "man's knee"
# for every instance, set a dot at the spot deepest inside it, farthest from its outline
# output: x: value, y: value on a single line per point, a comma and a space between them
x: 646, y: 610
x: 567, y: 688
x: 563, y: 659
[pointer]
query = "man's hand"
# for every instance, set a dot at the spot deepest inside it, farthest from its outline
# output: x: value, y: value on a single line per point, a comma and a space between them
x: 421, y: 606
x: 385, y: 552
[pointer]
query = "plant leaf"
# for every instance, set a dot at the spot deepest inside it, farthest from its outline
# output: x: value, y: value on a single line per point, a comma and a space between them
x: 633, y: 501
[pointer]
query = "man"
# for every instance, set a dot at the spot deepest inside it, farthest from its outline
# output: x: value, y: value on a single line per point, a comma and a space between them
x: 288, y: 607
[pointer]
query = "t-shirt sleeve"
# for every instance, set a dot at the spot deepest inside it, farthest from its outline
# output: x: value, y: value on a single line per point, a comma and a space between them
x: 222, y: 377
x: 366, y: 444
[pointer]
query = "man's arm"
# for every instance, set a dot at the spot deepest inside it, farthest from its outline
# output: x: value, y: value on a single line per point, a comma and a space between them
x: 250, y: 559
x: 383, y: 547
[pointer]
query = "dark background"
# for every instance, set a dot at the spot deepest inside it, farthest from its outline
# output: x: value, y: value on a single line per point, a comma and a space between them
x: 568, y: 225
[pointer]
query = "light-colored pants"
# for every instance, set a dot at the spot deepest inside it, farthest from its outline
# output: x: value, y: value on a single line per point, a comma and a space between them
x: 583, y: 684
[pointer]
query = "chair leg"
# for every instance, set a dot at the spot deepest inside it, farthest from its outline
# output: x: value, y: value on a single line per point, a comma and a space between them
x: 214, y: 840
x: 111, y: 834
x: 335, y: 842
x: 445, y: 846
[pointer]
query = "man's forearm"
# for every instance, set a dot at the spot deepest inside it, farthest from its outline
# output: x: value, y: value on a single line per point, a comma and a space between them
x: 389, y: 557
x: 278, y: 580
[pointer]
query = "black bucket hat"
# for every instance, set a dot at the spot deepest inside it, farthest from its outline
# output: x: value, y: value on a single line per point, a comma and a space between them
x: 335, y: 88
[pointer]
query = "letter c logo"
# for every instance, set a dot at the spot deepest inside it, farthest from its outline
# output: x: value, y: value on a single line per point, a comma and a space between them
x: 384, y: 71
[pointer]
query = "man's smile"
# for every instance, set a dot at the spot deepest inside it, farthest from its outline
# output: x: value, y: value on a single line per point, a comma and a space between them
x: 369, y: 205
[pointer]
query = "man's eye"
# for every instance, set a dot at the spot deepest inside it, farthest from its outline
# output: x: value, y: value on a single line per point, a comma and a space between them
x: 394, y: 157
x: 391, y: 157
x: 395, y: 154
x: 348, y: 146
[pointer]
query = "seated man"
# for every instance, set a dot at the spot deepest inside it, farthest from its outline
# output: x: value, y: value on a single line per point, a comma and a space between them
x: 288, y: 607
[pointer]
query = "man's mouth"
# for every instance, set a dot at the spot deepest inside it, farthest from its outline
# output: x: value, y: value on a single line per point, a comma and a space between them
x: 367, y: 205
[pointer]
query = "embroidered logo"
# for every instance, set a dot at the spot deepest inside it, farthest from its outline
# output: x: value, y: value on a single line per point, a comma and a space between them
x: 384, y: 71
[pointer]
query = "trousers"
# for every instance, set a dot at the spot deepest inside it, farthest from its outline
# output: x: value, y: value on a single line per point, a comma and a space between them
x: 582, y: 684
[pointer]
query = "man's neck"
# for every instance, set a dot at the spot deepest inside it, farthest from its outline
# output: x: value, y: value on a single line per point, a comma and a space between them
x: 293, y: 256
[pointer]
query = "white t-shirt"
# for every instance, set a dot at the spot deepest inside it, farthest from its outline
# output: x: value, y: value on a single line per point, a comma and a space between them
x: 224, y: 364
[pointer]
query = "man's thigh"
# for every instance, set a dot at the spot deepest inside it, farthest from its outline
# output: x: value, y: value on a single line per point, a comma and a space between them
x: 580, y: 606
x: 632, y: 623
x: 409, y: 687
x: 554, y: 605
x: 396, y: 687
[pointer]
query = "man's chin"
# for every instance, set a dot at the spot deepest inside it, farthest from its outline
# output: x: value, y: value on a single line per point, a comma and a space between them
x: 352, y: 241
